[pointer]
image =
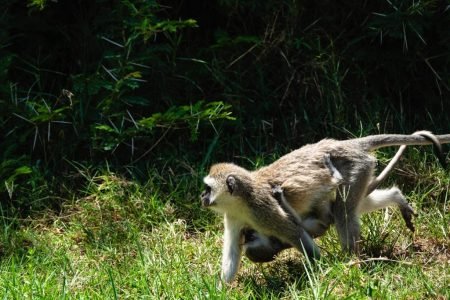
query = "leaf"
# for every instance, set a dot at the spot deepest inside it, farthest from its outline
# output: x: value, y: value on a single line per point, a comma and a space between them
x: 104, y: 127
x: 9, y: 187
x: 22, y: 170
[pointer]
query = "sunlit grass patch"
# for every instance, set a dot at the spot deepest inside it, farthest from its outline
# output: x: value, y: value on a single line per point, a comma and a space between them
x: 125, y: 239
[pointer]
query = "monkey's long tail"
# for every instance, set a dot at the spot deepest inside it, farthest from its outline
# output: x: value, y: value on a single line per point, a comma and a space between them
x: 431, y: 139
x: 377, y: 181
x: 374, y: 142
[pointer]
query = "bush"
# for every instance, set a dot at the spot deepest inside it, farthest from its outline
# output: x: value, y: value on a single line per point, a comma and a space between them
x: 134, y: 81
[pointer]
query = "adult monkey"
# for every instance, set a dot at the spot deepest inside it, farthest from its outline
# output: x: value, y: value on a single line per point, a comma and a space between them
x: 260, y: 248
x: 246, y: 199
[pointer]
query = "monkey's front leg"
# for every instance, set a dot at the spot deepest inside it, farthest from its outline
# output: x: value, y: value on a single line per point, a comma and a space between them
x: 231, y: 253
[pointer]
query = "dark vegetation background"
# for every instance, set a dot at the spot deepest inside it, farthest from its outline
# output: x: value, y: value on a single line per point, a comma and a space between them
x: 158, y: 90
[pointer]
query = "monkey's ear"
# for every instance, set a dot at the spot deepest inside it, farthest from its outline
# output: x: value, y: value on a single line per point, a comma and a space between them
x: 231, y: 183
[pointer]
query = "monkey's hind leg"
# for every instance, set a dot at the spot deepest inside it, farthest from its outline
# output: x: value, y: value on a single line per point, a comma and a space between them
x: 380, y: 199
x: 357, y: 175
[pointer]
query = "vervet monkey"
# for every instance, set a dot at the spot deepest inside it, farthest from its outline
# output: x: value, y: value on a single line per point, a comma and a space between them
x: 262, y: 249
x: 246, y: 199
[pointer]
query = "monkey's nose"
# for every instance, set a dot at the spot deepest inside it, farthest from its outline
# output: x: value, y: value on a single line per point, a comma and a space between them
x: 205, y: 202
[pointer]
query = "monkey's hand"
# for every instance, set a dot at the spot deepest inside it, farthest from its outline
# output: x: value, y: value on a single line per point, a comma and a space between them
x: 277, y: 192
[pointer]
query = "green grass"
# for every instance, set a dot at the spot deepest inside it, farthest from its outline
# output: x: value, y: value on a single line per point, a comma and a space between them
x: 124, y: 239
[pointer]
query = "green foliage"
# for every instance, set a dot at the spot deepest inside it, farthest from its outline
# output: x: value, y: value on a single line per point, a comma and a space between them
x: 108, y: 96
x: 11, y: 172
x: 37, y: 3
x: 139, y: 83
x: 129, y: 240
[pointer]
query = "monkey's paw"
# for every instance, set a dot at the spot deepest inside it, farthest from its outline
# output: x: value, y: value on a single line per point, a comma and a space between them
x: 277, y: 191
x: 407, y: 214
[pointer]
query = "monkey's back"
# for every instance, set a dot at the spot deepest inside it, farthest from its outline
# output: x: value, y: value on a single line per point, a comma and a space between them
x: 304, y: 176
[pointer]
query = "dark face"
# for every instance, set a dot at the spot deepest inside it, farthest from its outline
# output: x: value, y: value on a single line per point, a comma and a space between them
x: 206, y: 196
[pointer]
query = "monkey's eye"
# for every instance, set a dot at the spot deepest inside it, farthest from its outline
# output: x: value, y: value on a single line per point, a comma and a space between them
x: 207, y: 188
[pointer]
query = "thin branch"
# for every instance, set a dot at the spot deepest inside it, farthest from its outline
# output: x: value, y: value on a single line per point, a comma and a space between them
x: 352, y: 263
x: 152, y: 147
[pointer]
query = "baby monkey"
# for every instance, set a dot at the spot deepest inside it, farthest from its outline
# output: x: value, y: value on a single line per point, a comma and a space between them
x: 330, y: 182
x: 262, y: 249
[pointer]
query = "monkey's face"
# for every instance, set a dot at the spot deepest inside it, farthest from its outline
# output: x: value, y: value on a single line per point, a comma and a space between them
x: 220, y: 193
x: 206, y: 194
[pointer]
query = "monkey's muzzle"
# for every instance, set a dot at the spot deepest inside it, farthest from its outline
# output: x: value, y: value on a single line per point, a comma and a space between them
x: 205, y: 198
x: 205, y: 202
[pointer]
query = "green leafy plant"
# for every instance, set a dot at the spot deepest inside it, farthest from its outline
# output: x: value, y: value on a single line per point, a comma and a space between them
x: 93, y: 103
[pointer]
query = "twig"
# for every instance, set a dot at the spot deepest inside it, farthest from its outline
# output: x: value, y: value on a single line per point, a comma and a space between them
x: 352, y: 263
x: 242, y: 55
x: 152, y: 147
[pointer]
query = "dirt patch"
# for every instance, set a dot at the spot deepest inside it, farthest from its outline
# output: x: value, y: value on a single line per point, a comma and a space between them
x: 428, y: 249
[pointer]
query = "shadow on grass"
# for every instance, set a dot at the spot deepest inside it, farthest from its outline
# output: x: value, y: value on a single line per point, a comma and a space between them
x: 273, y: 280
